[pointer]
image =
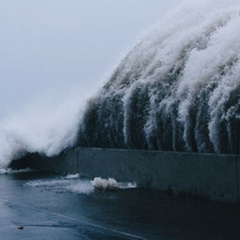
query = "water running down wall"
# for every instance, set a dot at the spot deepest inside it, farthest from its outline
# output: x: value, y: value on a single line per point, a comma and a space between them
x: 177, y: 90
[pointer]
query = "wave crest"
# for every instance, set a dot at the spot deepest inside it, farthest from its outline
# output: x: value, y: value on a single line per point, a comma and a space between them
x: 178, y: 89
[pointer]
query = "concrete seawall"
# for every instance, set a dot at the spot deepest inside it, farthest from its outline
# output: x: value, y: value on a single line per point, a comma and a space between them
x: 210, y: 176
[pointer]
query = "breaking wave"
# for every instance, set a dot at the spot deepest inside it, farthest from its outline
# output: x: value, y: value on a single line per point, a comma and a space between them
x: 178, y: 89
x: 47, y: 125
x: 14, y: 171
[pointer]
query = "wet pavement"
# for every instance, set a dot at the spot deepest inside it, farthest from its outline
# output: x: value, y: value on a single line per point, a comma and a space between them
x: 47, y: 212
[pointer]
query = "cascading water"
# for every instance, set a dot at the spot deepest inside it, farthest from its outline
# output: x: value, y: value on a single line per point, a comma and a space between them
x: 178, y: 89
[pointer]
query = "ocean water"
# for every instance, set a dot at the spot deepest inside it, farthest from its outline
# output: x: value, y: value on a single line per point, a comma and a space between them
x: 47, y: 125
x: 177, y: 90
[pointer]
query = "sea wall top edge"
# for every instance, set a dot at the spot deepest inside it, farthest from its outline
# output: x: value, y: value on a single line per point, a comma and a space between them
x: 159, y: 151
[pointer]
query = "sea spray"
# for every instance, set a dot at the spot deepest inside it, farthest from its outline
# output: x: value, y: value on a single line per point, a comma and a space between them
x: 111, y: 184
x: 73, y: 183
x: 178, y: 89
x: 47, y: 125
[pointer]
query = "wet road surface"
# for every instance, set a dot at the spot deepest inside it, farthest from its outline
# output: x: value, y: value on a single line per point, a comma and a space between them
x: 45, y: 212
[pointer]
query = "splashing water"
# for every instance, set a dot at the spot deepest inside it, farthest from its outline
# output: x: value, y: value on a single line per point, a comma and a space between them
x: 48, y: 125
x: 178, y: 89
x: 111, y: 183
x: 72, y: 183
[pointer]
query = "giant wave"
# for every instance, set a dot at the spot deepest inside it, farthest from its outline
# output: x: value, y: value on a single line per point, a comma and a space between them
x: 178, y: 89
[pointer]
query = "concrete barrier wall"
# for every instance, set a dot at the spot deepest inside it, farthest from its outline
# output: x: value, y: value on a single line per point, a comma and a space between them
x: 206, y: 175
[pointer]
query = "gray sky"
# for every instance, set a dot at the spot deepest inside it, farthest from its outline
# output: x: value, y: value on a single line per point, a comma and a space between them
x: 56, y: 45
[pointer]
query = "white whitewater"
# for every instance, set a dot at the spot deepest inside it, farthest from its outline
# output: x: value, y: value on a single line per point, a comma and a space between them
x: 47, y: 125
x: 72, y: 183
x: 178, y: 89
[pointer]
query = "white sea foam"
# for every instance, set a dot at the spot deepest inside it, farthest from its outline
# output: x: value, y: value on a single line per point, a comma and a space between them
x: 194, y: 48
x: 110, y: 183
x: 72, y: 183
x: 13, y: 171
x: 67, y: 184
x: 47, y: 125
x: 71, y: 176
x: 178, y: 89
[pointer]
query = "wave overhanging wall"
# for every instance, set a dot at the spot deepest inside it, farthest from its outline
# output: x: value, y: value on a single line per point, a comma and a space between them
x: 177, y: 90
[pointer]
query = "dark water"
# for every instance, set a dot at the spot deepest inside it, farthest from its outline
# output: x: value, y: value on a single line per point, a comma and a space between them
x: 177, y: 90
x: 50, y: 212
